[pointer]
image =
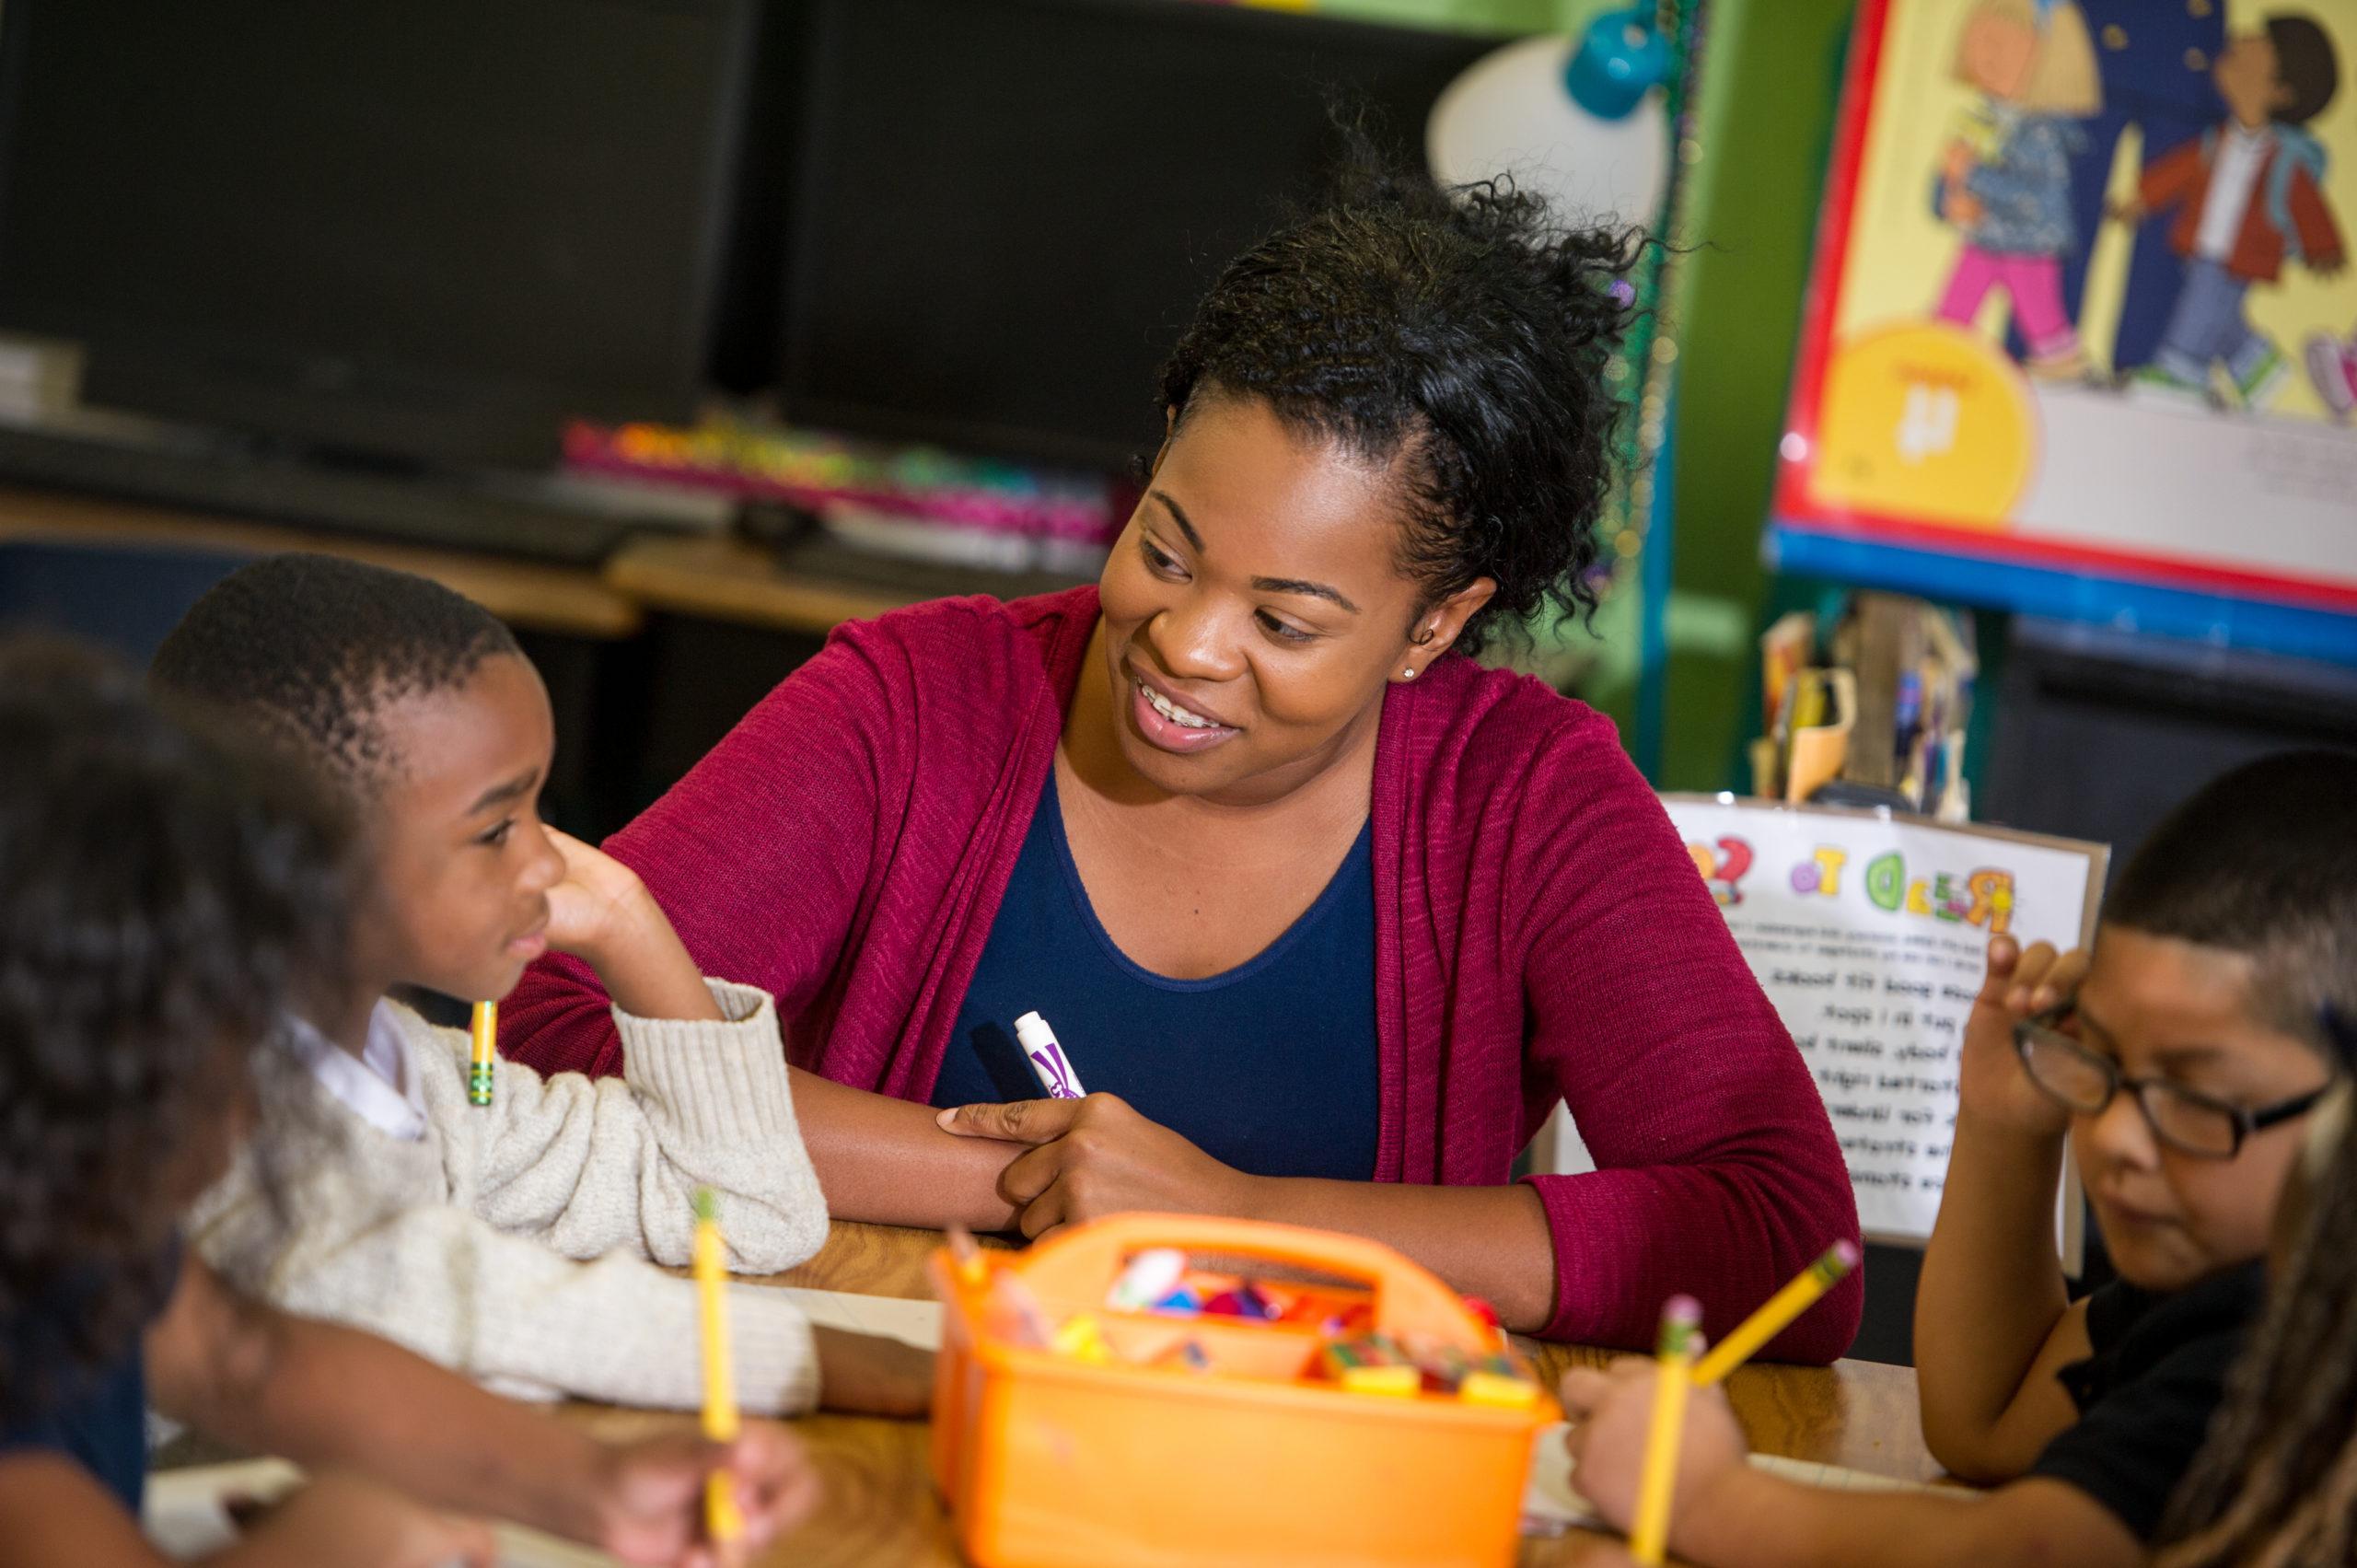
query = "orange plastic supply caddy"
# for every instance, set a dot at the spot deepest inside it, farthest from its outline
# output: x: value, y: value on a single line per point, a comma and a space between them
x: 1052, y: 1460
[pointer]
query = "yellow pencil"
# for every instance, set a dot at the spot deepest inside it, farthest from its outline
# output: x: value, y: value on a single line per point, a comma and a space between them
x: 721, y: 1517
x: 1779, y: 1310
x: 486, y: 1048
x: 1649, y: 1532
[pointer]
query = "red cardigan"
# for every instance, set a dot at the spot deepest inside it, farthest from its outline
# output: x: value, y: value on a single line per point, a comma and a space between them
x: 1540, y: 936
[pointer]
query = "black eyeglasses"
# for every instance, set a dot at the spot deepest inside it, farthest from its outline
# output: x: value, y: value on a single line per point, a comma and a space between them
x: 2187, y: 1121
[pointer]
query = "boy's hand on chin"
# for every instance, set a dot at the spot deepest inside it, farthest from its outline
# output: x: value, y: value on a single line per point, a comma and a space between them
x: 1611, y: 1411
x: 600, y: 904
x: 1993, y: 1085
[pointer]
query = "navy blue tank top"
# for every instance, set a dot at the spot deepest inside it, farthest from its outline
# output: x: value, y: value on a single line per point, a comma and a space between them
x: 1269, y: 1067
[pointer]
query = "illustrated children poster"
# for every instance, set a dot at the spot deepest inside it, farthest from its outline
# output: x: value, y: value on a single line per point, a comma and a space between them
x: 2082, y: 310
x: 1869, y: 931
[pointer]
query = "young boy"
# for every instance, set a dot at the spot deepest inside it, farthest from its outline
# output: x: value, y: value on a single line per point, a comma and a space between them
x: 461, y: 1230
x: 2179, y: 1065
x: 2249, y: 197
x: 160, y: 910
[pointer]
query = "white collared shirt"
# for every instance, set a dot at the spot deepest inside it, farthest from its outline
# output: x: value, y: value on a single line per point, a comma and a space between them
x: 381, y: 1085
x: 2233, y: 172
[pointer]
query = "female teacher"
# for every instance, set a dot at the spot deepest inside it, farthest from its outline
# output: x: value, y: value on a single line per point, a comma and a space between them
x: 1328, y: 915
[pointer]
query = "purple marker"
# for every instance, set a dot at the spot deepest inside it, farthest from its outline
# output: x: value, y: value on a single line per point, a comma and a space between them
x: 1038, y: 1043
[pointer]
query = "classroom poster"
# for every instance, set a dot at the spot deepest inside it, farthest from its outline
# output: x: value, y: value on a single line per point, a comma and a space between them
x: 2081, y: 312
x: 1868, y: 932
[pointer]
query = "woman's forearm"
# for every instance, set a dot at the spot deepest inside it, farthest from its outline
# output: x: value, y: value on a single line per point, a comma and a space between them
x: 1487, y: 1241
x: 888, y: 1161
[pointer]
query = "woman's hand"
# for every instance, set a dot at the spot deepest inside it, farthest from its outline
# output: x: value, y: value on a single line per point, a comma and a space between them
x: 1095, y: 1156
x: 1992, y: 1085
x: 1611, y: 1410
x: 650, y: 1507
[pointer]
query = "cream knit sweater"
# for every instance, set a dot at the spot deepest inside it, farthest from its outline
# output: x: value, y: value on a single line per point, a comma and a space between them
x: 511, y: 1241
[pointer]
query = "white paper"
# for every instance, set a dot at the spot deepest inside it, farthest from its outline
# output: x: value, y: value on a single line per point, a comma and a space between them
x: 915, y: 1323
x: 1550, y: 1505
x: 1869, y: 934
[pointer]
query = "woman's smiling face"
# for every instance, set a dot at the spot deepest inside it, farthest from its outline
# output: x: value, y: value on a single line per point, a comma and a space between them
x: 1254, y: 607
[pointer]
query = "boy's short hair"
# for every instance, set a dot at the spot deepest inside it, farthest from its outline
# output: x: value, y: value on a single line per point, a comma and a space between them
x: 2261, y: 861
x: 307, y: 648
x: 2305, y: 61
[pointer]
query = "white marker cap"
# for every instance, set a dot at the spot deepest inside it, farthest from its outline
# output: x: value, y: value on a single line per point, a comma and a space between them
x: 1031, y: 1032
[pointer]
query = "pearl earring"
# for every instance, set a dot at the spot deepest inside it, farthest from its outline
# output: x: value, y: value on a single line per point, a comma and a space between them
x: 1407, y: 674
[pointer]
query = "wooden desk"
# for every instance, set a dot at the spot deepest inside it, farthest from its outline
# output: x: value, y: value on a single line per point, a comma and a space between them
x: 574, y: 600
x: 880, y: 1508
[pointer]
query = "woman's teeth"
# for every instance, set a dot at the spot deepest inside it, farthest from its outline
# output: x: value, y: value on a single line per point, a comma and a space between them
x: 1174, y: 713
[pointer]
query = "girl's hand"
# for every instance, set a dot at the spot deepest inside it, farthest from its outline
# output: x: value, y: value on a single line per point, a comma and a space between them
x: 1958, y: 162
x: 1611, y: 1410
x: 600, y: 905
x: 1992, y: 1085
x: 650, y: 1502
x: 1095, y: 1156
x: 340, y: 1517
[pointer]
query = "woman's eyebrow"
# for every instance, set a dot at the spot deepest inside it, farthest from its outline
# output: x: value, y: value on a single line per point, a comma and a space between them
x: 1179, y: 516
x: 1295, y: 585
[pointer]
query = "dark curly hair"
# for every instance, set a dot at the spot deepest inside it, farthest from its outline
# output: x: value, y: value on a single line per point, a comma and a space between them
x: 163, y: 904
x: 1462, y: 336
x: 307, y: 648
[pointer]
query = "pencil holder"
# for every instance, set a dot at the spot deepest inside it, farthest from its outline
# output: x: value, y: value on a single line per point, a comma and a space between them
x: 1141, y: 1456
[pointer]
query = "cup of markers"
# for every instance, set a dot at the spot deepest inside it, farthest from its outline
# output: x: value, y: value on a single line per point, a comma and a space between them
x: 1180, y: 1390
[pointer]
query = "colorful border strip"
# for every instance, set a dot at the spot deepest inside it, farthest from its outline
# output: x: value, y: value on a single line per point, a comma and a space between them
x: 1806, y: 550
